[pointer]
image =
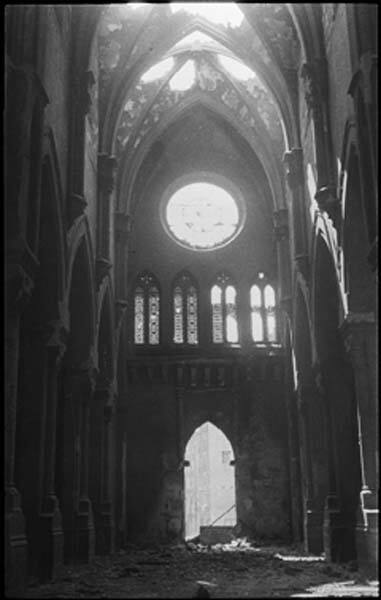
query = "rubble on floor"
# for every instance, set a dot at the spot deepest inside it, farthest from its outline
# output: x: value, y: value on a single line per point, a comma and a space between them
x: 238, y: 569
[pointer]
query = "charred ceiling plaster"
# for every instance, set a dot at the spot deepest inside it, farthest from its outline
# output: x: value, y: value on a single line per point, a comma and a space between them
x: 133, y: 113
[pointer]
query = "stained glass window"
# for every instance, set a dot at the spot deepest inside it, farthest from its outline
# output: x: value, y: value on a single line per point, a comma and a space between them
x: 192, y: 333
x: 231, y: 315
x: 146, y: 310
x: 224, y: 311
x: 263, y: 312
x: 139, y: 316
x: 185, y: 310
x: 178, y: 335
x: 153, y: 315
x: 216, y: 297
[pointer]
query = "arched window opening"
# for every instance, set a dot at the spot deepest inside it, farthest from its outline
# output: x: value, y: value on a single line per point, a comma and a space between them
x: 224, y: 311
x: 185, y: 310
x: 210, y: 496
x: 263, y: 312
x: 231, y: 315
x: 146, y: 310
x: 216, y: 297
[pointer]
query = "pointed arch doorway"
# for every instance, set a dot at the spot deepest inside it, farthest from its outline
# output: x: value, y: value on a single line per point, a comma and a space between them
x: 210, y: 492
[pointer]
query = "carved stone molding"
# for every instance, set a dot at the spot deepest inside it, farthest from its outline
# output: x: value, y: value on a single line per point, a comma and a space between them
x: 102, y: 269
x: 302, y: 265
x: 55, y: 336
x: 107, y: 172
x: 280, y: 220
x: 85, y: 86
x: 120, y: 310
x: 20, y: 285
x: 293, y: 162
x: 314, y: 78
x: 77, y: 207
x: 327, y: 201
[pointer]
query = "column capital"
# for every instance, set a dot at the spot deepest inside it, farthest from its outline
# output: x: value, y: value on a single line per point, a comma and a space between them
x: 293, y: 162
x: 107, y: 172
x: 280, y: 222
x: 302, y: 264
x: 77, y: 207
x: 327, y: 200
x: 83, y: 88
x: 102, y: 269
x: 314, y: 79
x: 355, y: 330
x: 20, y: 288
x: 55, y: 336
x: 120, y: 310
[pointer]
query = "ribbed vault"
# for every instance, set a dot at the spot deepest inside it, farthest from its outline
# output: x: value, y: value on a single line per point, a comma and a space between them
x: 135, y: 109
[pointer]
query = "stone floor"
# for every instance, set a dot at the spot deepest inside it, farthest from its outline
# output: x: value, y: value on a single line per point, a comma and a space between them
x: 237, y: 570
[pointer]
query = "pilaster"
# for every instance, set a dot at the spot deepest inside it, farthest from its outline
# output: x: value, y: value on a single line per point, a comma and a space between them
x: 293, y: 162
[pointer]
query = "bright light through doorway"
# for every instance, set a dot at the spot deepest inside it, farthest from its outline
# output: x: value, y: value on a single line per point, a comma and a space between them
x: 210, y: 495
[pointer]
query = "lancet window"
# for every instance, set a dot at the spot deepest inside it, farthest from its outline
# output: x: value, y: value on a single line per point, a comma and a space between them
x: 263, y: 311
x: 185, y: 310
x: 146, y: 310
x: 224, y: 311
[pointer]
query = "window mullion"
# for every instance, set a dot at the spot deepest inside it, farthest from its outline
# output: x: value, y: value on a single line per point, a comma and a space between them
x: 185, y: 315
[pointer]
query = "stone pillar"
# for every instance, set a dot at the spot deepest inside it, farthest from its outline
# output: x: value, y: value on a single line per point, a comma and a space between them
x: 281, y: 233
x: 122, y: 227
x: 313, y: 514
x: 101, y: 472
x: 293, y: 162
x: 294, y: 462
x: 106, y: 183
x: 344, y: 483
x: 20, y: 275
x: 358, y: 331
x: 77, y: 510
x: 82, y: 96
x: 50, y: 525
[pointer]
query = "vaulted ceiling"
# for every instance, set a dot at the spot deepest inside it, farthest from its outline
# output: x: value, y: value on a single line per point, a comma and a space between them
x: 244, y: 70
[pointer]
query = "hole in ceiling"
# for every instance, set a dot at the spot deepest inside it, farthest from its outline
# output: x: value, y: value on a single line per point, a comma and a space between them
x: 184, y: 78
x: 221, y: 13
x: 158, y: 70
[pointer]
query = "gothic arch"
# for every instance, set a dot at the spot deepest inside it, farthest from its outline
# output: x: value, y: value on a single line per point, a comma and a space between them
x: 358, y: 280
x: 276, y: 85
x: 200, y: 420
x: 269, y: 164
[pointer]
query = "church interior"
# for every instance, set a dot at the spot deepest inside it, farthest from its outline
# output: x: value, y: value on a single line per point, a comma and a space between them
x: 191, y: 276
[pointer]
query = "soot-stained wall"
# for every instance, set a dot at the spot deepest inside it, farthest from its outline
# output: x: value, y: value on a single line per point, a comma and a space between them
x: 238, y: 389
x: 162, y: 416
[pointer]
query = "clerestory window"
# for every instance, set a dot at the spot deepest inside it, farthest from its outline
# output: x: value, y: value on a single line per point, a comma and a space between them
x: 224, y: 311
x: 263, y: 312
x: 146, y: 310
x: 185, y: 310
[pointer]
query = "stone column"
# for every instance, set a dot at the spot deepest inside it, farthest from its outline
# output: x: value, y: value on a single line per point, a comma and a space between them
x: 79, y: 530
x: 20, y: 275
x: 101, y: 472
x: 50, y: 526
x: 312, y: 516
x: 358, y: 331
x: 294, y: 462
x: 122, y: 227
x: 106, y: 183
x: 293, y: 162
